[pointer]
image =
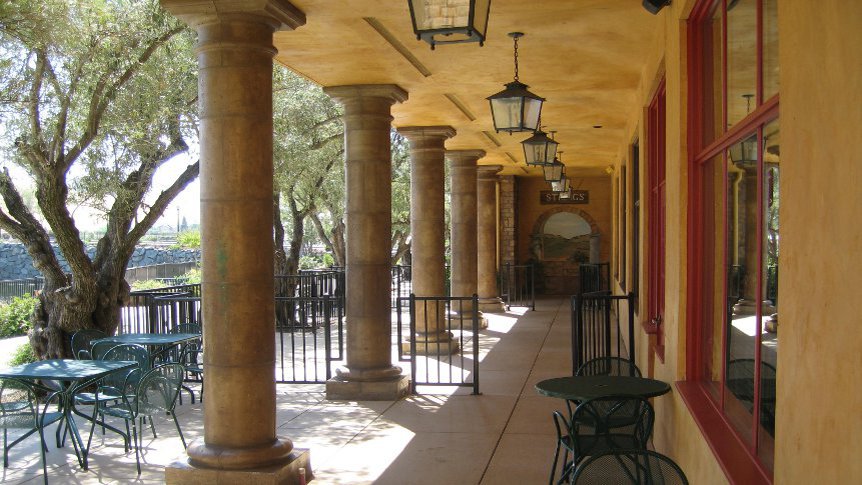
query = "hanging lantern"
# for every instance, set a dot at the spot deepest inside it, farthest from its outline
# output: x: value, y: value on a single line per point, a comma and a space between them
x: 539, y: 149
x: 450, y: 21
x: 561, y: 185
x: 516, y: 109
x: 553, y: 171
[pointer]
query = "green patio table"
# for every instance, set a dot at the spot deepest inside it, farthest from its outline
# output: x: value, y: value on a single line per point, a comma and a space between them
x: 583, y: 388
x: 159, y: 343
x: 72, y: 375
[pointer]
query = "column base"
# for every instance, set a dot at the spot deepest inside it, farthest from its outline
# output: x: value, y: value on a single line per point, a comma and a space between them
x: 492, y: 305
x: 464, y: 320
x: 287, y: 473
x: 343, y: 388
x: 424, y: 346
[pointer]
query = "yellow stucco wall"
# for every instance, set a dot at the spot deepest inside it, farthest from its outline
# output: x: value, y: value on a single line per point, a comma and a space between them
x: 819, y: 426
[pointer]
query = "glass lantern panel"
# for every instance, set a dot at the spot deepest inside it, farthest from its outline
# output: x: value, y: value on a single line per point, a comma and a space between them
x: 532, y: 110
x: 480, y: 15
x: 507, y: 113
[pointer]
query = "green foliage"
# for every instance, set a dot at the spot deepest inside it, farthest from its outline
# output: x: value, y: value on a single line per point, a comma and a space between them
x: 189, y: 240
x: 147, y: 285
x: 328, y: 260
x: 23, y: 355
x: 192, y: 276
x: 310, y: 262
x: 15, y: 316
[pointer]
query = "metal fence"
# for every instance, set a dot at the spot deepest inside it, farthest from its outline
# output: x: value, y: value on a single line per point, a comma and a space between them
x: 165, y: 271
x: 601, y: 328
x: 23, y: 287
x: 594, y: 277
x: 309, y: 338
x: 518, y: 286
x: 433, y: 363
x: 158, y: 310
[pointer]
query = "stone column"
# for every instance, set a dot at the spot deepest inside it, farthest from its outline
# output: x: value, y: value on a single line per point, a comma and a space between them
x: 235, y: 53
x: 464, y: 273
x: 369, y: 373
x: 427, y: 217
x: 486, y: 219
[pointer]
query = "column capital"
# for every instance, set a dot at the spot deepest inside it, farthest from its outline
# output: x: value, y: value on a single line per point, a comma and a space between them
x: 393, y: 92
x: 281, y: 14
x: 488, y: 172
x: 465, y: 156
x: 420, y: 132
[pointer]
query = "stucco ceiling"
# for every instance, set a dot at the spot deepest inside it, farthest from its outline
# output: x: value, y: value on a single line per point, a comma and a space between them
x: 584, y: 56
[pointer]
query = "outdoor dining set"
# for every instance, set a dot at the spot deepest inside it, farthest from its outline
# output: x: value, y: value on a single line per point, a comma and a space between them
x: 606, y: 426
x: 131, y: 377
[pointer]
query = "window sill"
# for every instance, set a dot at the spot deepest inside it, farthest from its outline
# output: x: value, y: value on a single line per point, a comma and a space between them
x: 734, y: 457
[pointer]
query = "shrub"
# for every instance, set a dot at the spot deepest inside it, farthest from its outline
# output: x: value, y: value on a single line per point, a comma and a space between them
x: 23, y: 355
x: 189, y: 240
x: 147, y: 285
x: 192, y: 276
x: 15, y: 316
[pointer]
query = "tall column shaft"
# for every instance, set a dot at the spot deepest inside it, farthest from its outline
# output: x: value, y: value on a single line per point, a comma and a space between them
x: 368, y: 172
x: 486, y: 216
x: 463, y: 206
x: 234, y: 53
x: 427, y: 217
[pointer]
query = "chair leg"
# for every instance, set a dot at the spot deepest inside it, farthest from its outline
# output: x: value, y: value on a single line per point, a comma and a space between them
x: 177, y: 423
x: 137, y: 455
x: 554, y: 465
x: 42, y: 448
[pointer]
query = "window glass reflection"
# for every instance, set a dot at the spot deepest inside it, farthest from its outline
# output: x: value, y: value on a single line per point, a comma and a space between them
x: 741, y: 58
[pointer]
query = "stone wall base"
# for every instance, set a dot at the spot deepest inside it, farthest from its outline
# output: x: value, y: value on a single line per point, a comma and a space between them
x: 182, y: 473
x: 341, y: 389
x: 491, y: 305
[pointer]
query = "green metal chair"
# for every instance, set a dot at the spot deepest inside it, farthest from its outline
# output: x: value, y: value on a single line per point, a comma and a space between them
x: 598, y: 425
x: 82, y: 340
x: 635, y: 467
x: 19, y: 409
x: 191, y: 357
x: 117, y: 385
x: 156, y: 394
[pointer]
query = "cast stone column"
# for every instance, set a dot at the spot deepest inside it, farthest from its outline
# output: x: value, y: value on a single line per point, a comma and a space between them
x: 427, y: 218
x: 235, y: 54
x: 486, y: 190
x: 369, y: 373
x: 464, y: 273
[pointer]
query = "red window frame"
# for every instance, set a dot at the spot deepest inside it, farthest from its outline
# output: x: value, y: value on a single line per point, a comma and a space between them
x: 737, y: 457
x: 656, y: 216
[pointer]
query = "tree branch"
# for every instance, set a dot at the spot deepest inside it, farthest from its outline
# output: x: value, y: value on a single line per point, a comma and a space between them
x: 191, y: 172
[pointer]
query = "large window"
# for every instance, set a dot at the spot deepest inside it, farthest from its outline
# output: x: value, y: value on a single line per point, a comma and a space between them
x: 656, y: 219
x: 734, y: 138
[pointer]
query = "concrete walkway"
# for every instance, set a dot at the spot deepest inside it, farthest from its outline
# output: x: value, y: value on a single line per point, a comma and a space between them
x: 441, y: 436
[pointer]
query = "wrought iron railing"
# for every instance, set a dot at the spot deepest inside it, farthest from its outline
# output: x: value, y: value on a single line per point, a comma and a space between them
x: 594, y: 277
x: 602, y: 326
x: 21, y: 287
x: 435, y: 363
x: 518, y: 285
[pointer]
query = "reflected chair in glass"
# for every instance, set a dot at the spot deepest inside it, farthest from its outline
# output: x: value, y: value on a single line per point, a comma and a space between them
x: 740, y: 382
x: 191, y: 357
x: 117, y: 385
x: 598, y: 425
x: 635, y: 467
x: 156, y: 393
x: 19, y: 409
x: 608, y: 366
x: 82, y: 341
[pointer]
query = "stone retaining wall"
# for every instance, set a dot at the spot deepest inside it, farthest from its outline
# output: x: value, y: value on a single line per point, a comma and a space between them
x: 15, y: 263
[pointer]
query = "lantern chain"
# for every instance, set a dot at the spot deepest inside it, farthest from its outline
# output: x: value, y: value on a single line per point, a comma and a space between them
x: 516, y: 57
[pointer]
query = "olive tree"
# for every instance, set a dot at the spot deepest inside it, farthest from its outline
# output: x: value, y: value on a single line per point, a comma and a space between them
x: 94, y: 98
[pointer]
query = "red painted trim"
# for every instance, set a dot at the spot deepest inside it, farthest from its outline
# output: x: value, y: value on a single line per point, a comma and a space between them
x: 759, y: 68
x: 760, y: 294
x: 733, y: 455
x: 763, y: 114
x: 656, y: 222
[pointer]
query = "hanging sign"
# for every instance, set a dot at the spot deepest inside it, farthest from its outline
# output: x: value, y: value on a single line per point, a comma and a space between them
x: 551, y: 197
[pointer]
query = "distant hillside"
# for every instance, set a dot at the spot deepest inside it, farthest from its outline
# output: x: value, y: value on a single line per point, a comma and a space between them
x: 558, y: 247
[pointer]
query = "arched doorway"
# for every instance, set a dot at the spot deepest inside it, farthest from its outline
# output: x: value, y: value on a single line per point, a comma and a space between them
x: 561, y: 240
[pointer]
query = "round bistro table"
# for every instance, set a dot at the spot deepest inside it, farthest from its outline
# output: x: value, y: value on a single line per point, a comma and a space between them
x: 583, y: 388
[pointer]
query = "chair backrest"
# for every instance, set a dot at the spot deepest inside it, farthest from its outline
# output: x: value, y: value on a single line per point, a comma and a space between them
x: 131, y: 377
x: 617, y: 422
x: 99, y: 349
x: 17, y: 409
x: 608, y: 366
x: 159, y: 388
x: 82, y: 340
x: 637, y: 467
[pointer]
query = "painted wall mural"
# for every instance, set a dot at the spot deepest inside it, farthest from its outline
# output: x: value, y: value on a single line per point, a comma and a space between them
x: 565, y: 236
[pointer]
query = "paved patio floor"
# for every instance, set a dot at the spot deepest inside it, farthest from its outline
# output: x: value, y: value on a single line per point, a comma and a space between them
x: 441, y: 436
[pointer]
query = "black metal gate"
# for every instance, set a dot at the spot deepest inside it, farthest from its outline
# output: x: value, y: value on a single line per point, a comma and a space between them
x: 597, y: 329
x: 433, y: 363
x: 518, y: 286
